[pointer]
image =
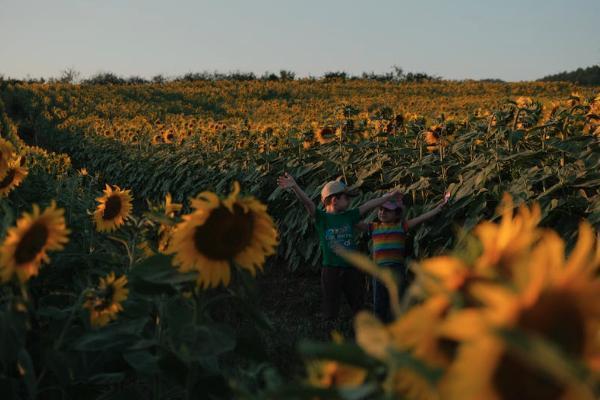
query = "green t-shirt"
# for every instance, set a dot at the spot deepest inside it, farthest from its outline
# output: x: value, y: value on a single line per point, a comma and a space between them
x: 336, y: 229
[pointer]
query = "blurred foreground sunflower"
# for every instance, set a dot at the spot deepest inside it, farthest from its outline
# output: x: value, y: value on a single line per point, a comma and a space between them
x: 13, y: 176
x: 114, y: 208
x: 105, y: 301
x: 559, y: 305
x: 26, y: 245
x: 221, y: 231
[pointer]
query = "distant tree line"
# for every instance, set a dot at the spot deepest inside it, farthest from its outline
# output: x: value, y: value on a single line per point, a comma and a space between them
x: 108, y: 78
x: 581, y: 76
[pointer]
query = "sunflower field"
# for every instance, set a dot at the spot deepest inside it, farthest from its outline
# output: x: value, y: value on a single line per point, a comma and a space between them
x: 146, y: 250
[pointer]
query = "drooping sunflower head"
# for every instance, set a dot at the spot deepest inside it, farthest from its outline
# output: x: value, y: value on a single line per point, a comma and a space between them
x: 26, y: 245
x: 105, y: 301
x: 219, y: 232
x: 113, y: 208
x: 13, y: 176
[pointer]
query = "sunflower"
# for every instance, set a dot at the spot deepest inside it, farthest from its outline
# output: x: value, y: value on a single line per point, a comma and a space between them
x: 524, y: 102
x: 27, y: 244
x: 559, y: 304
x: 433, y: 134
x: 114, y: 208
x: 156, y: 139
x: 13, y: 177
x: 325, y: 135
x: 6, y: 155
x: 220, y: 231
x: 105, y: 302
x: 168, y: 136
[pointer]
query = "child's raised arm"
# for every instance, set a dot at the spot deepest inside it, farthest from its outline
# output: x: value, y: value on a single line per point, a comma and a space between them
x: 286, y: 181
x: 411, y: 223
x: 374, y: 203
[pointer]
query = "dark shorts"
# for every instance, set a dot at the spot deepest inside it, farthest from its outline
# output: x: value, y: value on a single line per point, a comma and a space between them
x: 338, y: 280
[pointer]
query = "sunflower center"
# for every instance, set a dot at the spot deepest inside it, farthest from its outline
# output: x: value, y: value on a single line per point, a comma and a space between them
x: 557, y: 318
x: 112, y: 208
x: 104, y: 298
x: 32, y: 243
x: 10, y: 175
x: 225, y: 234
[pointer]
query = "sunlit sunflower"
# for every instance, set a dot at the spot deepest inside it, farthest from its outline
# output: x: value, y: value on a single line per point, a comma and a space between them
x: 13, y: 177
x: 168, y: 136
x: 105, y: 301
x: 156, y: 139
x: 26, y: 245
x: 325, y: 135
x: 333, y: 374
x: 220, y: 231
x: 559, y: 304
x: 6, y: 155
x: 115, y: 206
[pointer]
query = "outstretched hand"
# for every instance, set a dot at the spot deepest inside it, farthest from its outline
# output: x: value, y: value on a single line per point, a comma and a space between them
x: 445, y: 200
x: 286, y: 181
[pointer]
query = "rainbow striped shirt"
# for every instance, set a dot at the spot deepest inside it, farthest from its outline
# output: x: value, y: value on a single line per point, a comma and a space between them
x: 388, y: 242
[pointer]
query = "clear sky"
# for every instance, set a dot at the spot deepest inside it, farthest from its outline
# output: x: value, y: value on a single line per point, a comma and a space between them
x: 456, y: 39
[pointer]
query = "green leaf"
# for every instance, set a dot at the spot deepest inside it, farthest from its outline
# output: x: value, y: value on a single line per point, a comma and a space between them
x: 158, y: 270
x: 143, y: 361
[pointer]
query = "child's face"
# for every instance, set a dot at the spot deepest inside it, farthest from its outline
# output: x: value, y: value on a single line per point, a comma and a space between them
x: 337, y: 203
x: 385, y: 215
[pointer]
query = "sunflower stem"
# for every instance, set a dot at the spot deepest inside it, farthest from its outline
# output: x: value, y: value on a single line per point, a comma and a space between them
x: 61, y: 337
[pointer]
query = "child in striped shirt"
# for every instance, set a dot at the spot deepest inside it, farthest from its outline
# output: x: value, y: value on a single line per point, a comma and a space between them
x: 388, y: 236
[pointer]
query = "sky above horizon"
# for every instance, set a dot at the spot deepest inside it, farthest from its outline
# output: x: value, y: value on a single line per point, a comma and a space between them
x: 462, y: 39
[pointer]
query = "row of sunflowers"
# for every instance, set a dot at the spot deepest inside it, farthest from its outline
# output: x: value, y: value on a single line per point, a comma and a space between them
x: 537, y: 151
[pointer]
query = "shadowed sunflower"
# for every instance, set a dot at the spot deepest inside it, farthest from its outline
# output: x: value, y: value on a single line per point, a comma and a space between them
x: 114, y: 208
x: 27, y: 244
x: 13, y: 176
x: 6, y: 155
x: 105, y: 301
x: 559, y: 305
x: 220, y: 231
